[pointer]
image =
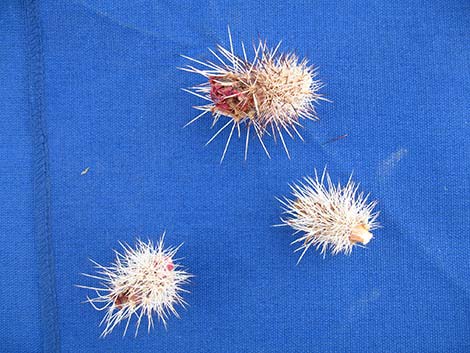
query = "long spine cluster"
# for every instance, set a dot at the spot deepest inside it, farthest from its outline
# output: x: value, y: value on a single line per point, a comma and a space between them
x: 142, y: 282
x: 329, y: 216
x: 271, y: 93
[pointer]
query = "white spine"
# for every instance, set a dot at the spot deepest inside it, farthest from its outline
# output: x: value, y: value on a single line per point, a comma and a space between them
x: 142, y: 282
x: 327, y: 216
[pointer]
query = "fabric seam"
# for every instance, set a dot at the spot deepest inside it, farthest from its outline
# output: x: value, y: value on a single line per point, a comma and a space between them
x: 50, y: 338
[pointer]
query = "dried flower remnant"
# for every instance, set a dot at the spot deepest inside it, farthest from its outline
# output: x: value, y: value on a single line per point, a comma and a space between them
x: 142, y: 282
x: 272, y: 92
x: 329, y: 216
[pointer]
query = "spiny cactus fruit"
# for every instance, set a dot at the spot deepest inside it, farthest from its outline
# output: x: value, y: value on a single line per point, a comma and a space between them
x: 273, y: 92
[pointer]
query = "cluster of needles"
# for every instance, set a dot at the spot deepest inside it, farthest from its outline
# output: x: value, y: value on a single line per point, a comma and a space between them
x: 271, y: 93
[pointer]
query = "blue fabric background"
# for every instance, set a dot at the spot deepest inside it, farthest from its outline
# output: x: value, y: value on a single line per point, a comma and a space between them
x: 398, y: 73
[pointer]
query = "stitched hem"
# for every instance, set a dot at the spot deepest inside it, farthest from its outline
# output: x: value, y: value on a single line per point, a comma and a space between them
x: 50, y: 338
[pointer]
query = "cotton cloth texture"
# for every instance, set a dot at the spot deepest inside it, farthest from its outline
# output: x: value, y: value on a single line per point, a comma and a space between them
x: 94, y: 84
